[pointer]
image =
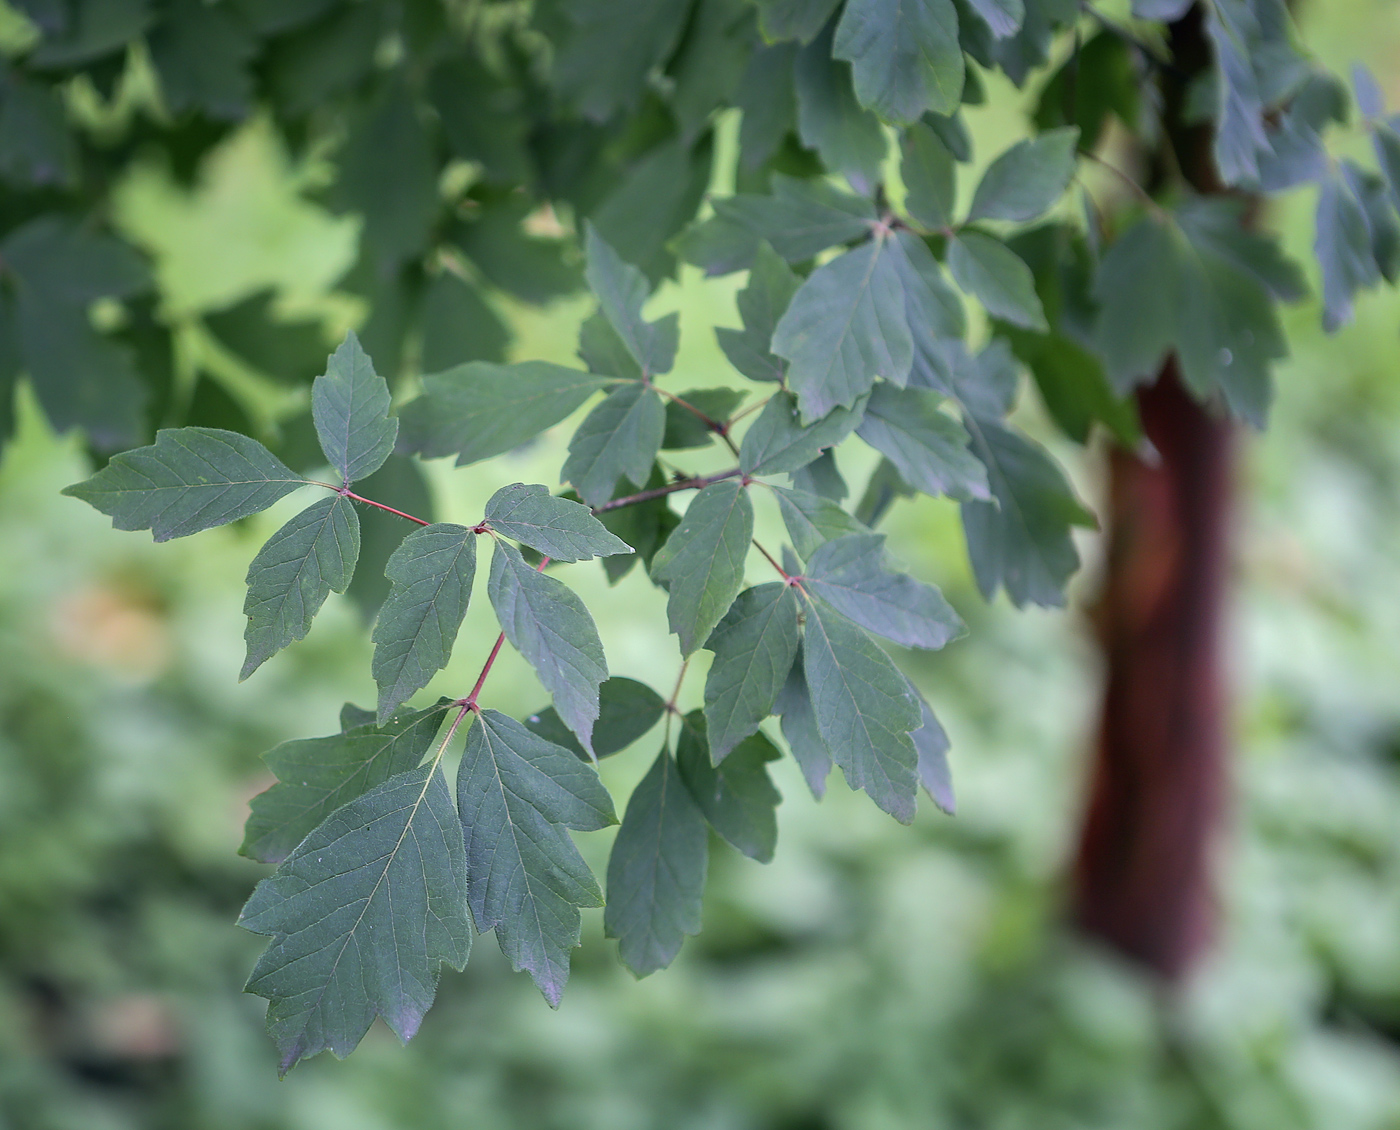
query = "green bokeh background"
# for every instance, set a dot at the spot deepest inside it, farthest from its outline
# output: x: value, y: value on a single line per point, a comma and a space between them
x: 872, y: 976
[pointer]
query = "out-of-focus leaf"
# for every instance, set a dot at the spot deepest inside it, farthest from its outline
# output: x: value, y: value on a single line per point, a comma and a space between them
x: 904, y: 56
x: 1027, y: 179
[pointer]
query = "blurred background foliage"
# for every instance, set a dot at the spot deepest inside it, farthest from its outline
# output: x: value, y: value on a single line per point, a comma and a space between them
x: 872, y: 976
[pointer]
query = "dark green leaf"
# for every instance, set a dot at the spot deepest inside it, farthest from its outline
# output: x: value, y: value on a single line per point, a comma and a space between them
x: 821, y: 477
x: 851, y: 575
x: 1027, y: 179
x: 737, y: 797
x: 793, y: 19
x: 330, y: 57
x: 350, y: 404
x: 461, y: 88
x: 844, y: 327
x: 684, y: 429
x: 619, y: 438
x: 864, y: 710
x: 883, y: 488
x: 1343, y: 249
x: 800, y: 730
x: 94, y: 28
x: 702, y: 562
x: 632, y: 38
x: 754, y: 647
x: 812, y: 520
x: 762, y: 302
x: 849, y: 139
x: 516, y: 794
x: 63, y: 262
x: 190, y: 479
x: 656, y: 874
x: 556, y: 527
x: 432, y: 573
x: 621, y: 290
x: 1004, y: 17
x: 768, y: 105
x: 362, y: 914
x: 1138, y: 288
x: 291, y: 352
x: 801, y: 218
x: 930, y: 178
x: 904, y: 56
x: 929, y: 448
x: 201, y: 54
x: 710, y: 61
x: 36, y: 147
x: 603, y: 351
x: 532, y: 268
x: 548, y: 624
x: 776, y: 441
x: 315, y: 776
x: 459, y: 326
x: 931, y: 742
x: 997, y: 277
x: 478, y: 410
x: 289, y: 579
x: 627, y: 709
x: 932, y: 306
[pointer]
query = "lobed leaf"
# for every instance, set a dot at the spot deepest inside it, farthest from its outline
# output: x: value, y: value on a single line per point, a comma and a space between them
x: 762, y: 302
x: 930, y: 177
x: 931, y: 744
x: 799, y: 722
x: 621, y: 290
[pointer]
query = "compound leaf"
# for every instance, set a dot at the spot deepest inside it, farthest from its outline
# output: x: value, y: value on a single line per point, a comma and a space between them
x: 516, y: 794
x: 931, y: 743
x: 656, y: 873
x: 362, y: 915
x: 801, y: 218
x: 737, y: 797
x: 800, y: 730
x: 754, y: 647
x: 350, y: 404
x: 289, y: 579
x: 548, y: 624
x: 811, y: 519
x: 190, y: 479
x: 431, y: 573
x: 556, y: 527
x: 702, y: 562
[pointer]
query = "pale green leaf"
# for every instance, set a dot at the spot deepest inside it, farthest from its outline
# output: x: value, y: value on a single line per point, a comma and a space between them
x: 754, y: 646
x: 560, y: 529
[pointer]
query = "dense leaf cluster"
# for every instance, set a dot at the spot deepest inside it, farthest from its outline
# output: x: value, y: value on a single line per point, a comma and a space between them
x: 460, y: 133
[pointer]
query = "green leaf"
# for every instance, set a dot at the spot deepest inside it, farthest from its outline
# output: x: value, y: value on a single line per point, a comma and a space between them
x: 776, y: 441
x: 770, y: 288
x: 1138, y: 288
x: 844, y: 327
x: 202, y: 54
x: 643, y: 525
x: 884, y: 486
x: 316, y: 776
x: 1028, y: 178
x: 930, y: 178
x: 702, y: 562
x: 1004, y: 17
x: 904, y: 55
x: 458, y: 325
x: 289, y: 579
x: 864, y: 710
x: 36, y: 146
x: 812, y: 520
x: 849, y: 139
x: 627, y: 710
x: 621, y: 290
x: 754, y: 646
x: 516, y: 794
x: 432, y: 573
x: 997, y: 277
x: 350, y: 404
x: 548, y: 624
x: 931, y: 743
x: 929, y: 448
x: 793, y: 19
x: 932, y: 306
x: 801, y: 218
x: 821, y: 477
x: 633, y: 38
x: 399, y: 483
x: 684, y: 429
x: 603, y: 351
x: 65, y: 262
x: 289, y: 351
x: 850, y: 574
x: 1023, y: 542
x: 619, y: 438
x: 656, y: 873
x: 800, y: 730
x: 1343, y: 249
x: 362, y: 915
x: 478, y: 410
x: 737, y: 797
x: 190, y: 479
x: 556, y: 527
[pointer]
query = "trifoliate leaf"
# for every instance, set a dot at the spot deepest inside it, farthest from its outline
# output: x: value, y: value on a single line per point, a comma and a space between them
x: 702, y: 562
x: 904, y: 55
x: 930, y: 178
x: 754, y: 647
x: 997, y: 277
x: 800, y: 730
x: 1027, y: 179
x: 848, y: 138
x: 863, y: 708
x: 620, y: 437
x: 801, y: 218
x: 190, y: 479
x: 627, y: 709
x: 516, y: 794
x: 850, y: 574
x: 548, y: 624
x: 350, y: 404
x: 289, y: 579
x: 316, y: 776
x: 478, y: 410
x: 844, y: 327
x: 685, y: 429
x: 737, y: 797
x: 656, y: 874
x: 777, y: 441
x: 762, y: 302
x: 362, y: 915
x: 927, y: 446
x: 793, y: 19
x: 432, y: 573
x: 621, y: 290
x: 931, y: 742
x: 556, y: 527
x: 812, y: 520
x: 1023, y: 542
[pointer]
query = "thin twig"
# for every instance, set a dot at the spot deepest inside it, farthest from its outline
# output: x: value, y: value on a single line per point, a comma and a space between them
x: 669, y: 488
x: 350, y: 494
x: 719, y: 427
x: 772, y: 561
